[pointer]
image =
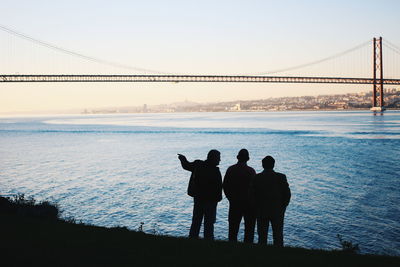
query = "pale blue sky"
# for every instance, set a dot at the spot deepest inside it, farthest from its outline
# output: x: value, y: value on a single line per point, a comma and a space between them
x: 205, y: 37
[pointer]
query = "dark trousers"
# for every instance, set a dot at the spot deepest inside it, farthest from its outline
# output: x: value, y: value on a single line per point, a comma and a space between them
x: 237, y: 211
x: 277, y: 228
x: 208, y: 211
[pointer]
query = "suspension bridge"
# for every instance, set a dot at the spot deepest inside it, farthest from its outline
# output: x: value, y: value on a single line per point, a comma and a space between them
x: 376, y: 79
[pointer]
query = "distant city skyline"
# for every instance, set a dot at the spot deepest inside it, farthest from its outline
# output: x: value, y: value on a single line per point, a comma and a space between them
x: 356, y: 100
x: 223, y: 37
x: 360, y: 100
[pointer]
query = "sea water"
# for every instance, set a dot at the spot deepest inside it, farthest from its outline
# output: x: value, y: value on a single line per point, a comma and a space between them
x: 122, y: 170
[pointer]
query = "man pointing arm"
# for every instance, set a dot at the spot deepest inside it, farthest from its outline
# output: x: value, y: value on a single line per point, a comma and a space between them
x: 205, y: 186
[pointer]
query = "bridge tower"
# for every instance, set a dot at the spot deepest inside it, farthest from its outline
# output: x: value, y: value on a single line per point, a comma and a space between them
x: 377, y: 94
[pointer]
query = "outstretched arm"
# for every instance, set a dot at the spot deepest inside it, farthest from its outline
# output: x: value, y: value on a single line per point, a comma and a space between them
x: 186, y: 165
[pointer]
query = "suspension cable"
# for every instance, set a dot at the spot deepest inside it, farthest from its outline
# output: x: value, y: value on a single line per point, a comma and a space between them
x: 124, y: 66
x: 317, y: 61
x: 392, y: 46
x: 72, y: 53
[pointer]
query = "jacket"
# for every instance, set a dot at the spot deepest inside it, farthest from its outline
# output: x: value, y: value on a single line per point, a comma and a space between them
x: 271, y: 193
x: 205, y: 181
x: 237, y: 182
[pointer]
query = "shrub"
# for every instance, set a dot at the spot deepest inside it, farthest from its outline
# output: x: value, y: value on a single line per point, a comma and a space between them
x: 348, y: 246
x: 22, y: 206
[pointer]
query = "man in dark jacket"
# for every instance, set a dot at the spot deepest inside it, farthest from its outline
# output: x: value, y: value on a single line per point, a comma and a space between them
x: 236, y: 186
x: 272, y: 195
x: 205, y: 186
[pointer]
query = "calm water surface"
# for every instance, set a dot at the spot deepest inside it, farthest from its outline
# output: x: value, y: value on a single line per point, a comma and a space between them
x: 121, y: 170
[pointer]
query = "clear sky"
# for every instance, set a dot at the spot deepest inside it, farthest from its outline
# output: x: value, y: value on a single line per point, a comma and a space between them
x: 193, y: 37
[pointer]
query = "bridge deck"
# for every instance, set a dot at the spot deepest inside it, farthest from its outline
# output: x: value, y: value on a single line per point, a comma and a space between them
x: 189, y: 78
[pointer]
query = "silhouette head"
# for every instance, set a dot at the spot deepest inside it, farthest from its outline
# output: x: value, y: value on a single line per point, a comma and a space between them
x: 243, y: 155
x: 214, y: 157
x: 268, y: 163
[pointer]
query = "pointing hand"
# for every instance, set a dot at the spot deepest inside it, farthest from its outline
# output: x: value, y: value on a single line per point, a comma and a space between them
x: 181, y: 157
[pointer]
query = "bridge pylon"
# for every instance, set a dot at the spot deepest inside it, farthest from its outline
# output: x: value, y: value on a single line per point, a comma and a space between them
x: 377, y: 94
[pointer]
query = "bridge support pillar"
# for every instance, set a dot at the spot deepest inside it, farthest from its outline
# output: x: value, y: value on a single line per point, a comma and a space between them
x: 377, y: 94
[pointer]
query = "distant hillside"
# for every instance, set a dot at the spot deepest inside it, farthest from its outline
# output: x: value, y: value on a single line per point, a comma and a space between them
x: 351, y: 101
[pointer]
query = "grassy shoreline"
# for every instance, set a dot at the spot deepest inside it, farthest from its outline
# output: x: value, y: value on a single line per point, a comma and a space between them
x: 37, y: 241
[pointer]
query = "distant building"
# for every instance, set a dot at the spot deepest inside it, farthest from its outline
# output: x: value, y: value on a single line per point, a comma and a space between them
x: 237, y: 107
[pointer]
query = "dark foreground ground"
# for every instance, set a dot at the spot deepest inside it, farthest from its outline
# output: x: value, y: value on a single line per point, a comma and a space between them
x: 28, y: 241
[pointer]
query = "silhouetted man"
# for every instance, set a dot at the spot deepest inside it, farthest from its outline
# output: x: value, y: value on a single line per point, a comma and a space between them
x: 236, y: 186
x: 272, y: 195
x: 205, y: 186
